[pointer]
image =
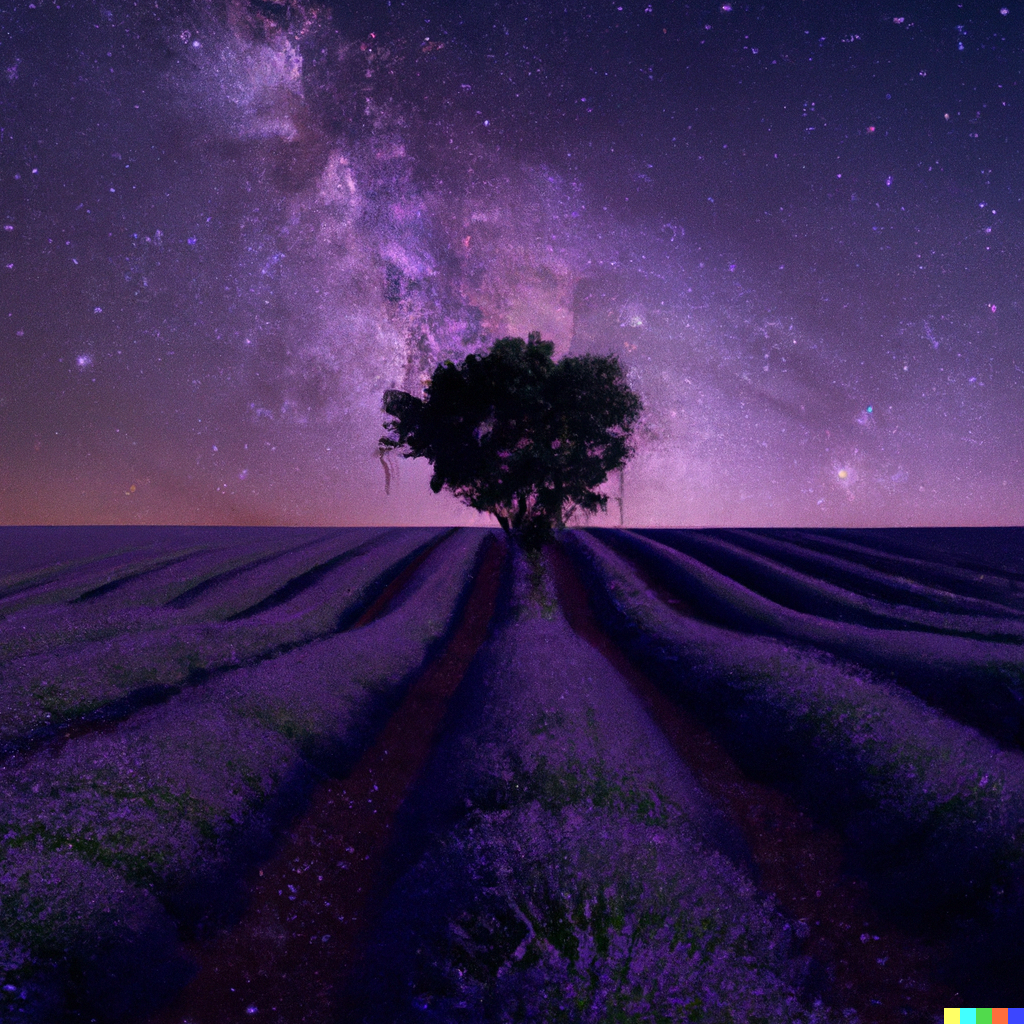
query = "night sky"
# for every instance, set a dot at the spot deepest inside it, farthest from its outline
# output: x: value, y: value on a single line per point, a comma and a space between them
x: 227, y: 228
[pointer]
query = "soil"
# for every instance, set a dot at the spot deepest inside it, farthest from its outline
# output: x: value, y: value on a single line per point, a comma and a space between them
x: 866, y: 964
x: 310, y: 905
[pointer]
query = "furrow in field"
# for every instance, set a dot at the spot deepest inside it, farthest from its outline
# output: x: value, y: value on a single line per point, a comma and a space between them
x: 113, y: 840
x: 198, y: 587
x: 229, y: 580
x: 174, y: 585
x: 237, y: 592
x: 306, y: 907
x: 557, y: 861
x: 930, y: 585
x: 69, y: 582
x: 814, y: 596
x: 859, y: 961
x: 299, y: 593
x: 104, y: 680
x: 137, y: 576
x: 944, y: 580
x: 39, y: 621
x: 932, y: 810
x: 980, y: 550
x: 923, y: 588
x: 14, y: 583
x: 980, y: 682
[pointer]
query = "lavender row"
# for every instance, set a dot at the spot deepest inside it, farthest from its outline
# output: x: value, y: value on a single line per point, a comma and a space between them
x: 977, y: 681
x: 897, y: 577
x: 118, y: 835
x: 932, y: 810
x: 54, y: 584
x: 44, y: 691
x: 561, y: 864
x: 787, y: 586
x: 196, y: 587
x: 974, y: 550
x: 101, y: 566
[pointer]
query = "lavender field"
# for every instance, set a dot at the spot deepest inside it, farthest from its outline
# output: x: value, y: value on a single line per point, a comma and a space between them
x: 388, y: 775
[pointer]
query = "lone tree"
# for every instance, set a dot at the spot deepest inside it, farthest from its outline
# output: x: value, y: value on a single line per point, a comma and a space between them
x: 517, y: 435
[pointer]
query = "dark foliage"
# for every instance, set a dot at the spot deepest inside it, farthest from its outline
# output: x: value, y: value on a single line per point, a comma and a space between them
x: 515, y: 434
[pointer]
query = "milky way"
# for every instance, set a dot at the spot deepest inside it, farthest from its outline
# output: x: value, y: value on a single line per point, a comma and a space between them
x: 227, y: 228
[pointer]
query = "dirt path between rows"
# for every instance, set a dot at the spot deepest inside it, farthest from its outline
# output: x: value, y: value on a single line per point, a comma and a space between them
x: 310, y: 905
x: 881, y: 972
x: 55, y: 736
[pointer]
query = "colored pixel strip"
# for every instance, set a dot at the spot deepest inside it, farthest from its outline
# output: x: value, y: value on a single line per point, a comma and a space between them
x: 983, y: 1015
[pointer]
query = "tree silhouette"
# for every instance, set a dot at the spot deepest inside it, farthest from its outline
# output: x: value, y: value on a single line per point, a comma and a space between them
x: 517, y: 435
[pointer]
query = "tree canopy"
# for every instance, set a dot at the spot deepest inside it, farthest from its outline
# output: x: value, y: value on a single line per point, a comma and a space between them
x: 515, y: 434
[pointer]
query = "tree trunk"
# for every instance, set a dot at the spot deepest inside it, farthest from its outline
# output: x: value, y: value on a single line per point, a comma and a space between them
x: 559, y: 508
x: 520, y: 515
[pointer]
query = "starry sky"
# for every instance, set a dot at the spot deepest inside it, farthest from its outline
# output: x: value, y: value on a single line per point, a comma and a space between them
x: 227, y: 227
